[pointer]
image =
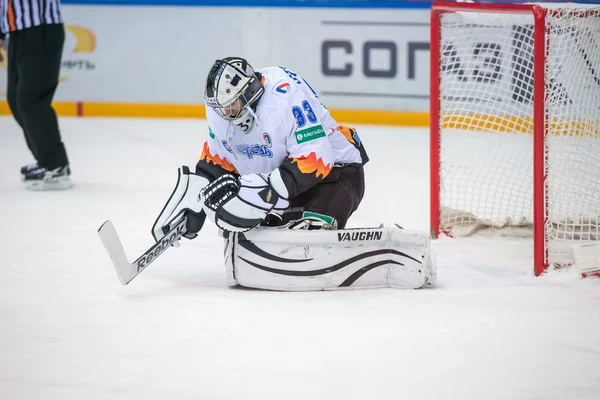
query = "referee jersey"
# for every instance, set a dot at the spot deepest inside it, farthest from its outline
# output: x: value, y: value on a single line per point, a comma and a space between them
x: 16, y: 15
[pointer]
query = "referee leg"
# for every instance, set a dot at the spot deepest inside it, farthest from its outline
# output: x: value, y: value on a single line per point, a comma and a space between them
x: 38, y: 57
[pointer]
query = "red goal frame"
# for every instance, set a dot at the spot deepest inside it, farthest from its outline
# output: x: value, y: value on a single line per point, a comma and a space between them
x: 540, y: 198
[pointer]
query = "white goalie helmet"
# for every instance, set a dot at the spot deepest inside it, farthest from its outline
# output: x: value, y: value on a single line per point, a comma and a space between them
x: 229, y: 80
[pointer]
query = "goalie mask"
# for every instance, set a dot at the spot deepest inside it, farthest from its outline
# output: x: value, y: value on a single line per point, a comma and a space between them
x: 233, y: 90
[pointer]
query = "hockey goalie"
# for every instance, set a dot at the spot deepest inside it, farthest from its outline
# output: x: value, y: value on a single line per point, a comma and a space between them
x: 280, y: 178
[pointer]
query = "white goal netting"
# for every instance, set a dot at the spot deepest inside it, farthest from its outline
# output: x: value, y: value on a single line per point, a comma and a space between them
x: 486, y: 124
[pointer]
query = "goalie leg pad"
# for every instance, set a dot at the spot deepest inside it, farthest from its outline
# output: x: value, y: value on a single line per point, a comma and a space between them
x: 300, y: 260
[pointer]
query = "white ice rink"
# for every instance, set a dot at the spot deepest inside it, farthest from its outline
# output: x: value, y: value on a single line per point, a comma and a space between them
x: 69, y: 330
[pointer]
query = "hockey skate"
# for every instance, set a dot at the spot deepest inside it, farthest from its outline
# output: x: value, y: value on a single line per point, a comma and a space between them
x: 41, y: 179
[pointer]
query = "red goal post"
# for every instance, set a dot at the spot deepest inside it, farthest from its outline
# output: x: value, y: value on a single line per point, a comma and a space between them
x: 501, y: 86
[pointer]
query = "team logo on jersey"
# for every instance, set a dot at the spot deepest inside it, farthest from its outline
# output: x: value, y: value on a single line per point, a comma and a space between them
x: 267, y: 138
x: 251, y: 150
x: 283, y: 88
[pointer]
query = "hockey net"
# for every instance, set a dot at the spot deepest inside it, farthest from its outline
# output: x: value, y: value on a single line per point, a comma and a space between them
x: 515, y: 124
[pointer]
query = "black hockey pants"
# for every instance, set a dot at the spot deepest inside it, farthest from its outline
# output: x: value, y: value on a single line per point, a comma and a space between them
x: 338, y: 196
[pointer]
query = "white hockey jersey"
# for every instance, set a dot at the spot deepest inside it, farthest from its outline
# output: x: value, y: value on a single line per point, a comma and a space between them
x: 292, y: 131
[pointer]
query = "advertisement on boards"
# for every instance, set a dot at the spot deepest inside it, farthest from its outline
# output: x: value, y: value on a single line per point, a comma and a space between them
x: 372, y: 59
x: 361, y: 59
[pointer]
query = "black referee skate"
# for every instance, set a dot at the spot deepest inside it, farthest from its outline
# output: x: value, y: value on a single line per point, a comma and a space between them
x: 44, y: 179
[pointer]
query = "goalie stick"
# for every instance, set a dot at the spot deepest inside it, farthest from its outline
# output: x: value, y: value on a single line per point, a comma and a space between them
x: 126, y: 270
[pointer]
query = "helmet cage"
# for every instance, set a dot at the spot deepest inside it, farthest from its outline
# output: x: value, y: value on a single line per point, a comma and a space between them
x: 228, y: 80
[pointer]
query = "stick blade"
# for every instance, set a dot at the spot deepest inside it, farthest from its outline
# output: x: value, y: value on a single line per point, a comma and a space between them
x: 110, y: 239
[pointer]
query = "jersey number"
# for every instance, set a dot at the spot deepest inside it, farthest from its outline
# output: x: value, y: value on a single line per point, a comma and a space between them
x: 244, y: 127
x: 301, y: 114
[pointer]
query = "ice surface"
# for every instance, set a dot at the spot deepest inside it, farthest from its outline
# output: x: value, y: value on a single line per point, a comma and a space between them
x: 69, y: 330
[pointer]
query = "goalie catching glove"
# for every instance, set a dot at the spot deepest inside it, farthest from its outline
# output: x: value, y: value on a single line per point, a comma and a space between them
x: 240, y: 204
x: 233, y: 204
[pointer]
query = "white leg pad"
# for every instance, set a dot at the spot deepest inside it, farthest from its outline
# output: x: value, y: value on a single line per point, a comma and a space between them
x: 300, y: 260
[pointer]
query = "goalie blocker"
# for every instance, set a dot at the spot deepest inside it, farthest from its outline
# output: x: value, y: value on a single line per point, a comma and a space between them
x: 302, y: 260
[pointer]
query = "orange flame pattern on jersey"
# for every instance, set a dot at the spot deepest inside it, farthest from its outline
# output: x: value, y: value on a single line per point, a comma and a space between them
x: 347, y: 132
x: 221, y: 162
x: 310, y: 163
